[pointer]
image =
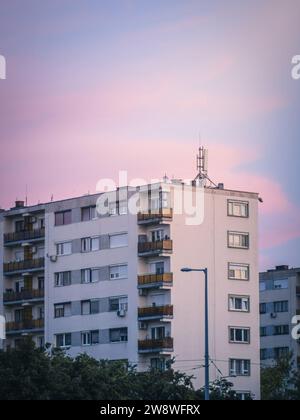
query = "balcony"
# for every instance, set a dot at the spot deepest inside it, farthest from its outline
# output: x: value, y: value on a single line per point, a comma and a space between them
x: 17, y: 267
x: 28, y: 236
x: 161, y: 345
x: 24, y: 326
x: 155, y: 216
x: 155, y: 313
x: 25, y: 295
x: 150, y: 249
x: 154, y: 281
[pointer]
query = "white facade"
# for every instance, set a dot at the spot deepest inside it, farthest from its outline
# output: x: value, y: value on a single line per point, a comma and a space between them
x: 119, y: 293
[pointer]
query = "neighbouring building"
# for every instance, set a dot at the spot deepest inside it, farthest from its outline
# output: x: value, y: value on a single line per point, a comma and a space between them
x: 279, y: 303
x: 112, y: 286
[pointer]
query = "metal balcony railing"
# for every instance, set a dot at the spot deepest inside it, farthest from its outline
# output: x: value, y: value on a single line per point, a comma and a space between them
x: 24, y: 235
x: 24, y: 265
x: 156, y: 345
x: 156, y: 247
x: 34, y: 324
x: 149, y: 279
x: 155, y: 312
x: 24, y: 295
x: 152, y: 216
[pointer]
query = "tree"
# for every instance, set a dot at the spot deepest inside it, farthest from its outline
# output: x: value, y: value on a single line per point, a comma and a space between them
x: 278, y: 381
x: 220, y: 389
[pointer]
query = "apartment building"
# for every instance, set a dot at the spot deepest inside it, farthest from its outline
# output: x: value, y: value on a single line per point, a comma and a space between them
x: 279, y: 303
x: 111, y: 285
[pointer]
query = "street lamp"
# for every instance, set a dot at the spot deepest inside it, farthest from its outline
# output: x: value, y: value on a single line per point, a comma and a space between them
x: 205, y: 271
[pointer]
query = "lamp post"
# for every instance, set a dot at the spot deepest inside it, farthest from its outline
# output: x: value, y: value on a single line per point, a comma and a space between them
x: 205, y: 271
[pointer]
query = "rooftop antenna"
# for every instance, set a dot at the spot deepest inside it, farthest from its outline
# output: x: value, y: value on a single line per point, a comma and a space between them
x: 202, y: 168
x: 26, y: 193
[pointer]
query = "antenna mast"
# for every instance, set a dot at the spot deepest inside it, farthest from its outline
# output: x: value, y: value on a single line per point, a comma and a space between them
x: 202, y: 167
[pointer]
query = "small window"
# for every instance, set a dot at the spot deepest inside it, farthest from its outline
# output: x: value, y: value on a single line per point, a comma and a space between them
x: 281, y: 330
x: 157, y: 363
x: 88, y: 213
x: 243, y: 395
x: 63, y: 340
x: 118, y: 335
x: 118, y: 303
x: 263, y: 331
x: 238, y: 240
x: 85, y: 307
x: 118, y: 272
x: 239, y: 367
x: 281, y: 352
x: 85, y: 244
x: 62, y: 310
x: 239, y: 303
x: 262, y: 308
x: 119, y: 240
x: 262, y: 286
x: 239, y: 335
x: 281, y: 306
x: 95, y: 244
x: 63, y: 279
x: 281, y: 284
x: 238, y: 208
x: 64, y: 248
x: 63, y: 218
x: 238, y: 271
x: 89, y: 338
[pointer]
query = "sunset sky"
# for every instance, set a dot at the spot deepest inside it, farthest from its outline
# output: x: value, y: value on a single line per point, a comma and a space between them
x: 98, y: 86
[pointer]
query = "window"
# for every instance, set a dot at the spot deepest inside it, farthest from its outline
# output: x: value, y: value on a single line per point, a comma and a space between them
x: 63, y: 218
x: 64, y: 248
x: 118, y: 335
x: 95, y: 243
x: 243, y: 395
x: 19, y: 255
x: 239, y: 367
x: 238, y: 208
x: 158, y: 333
x: 238, y: 271
x: 88, y: 338
x: 263, y: 331
x: 63, y: 279
x: 63, y: 340
x: 19, y: 226
x: 157, y: 363
x: 281, y: 306
x: 157, y: 235
x: 262, y: 286
x: 118, y: 240
x: 238, y: 240
x: 264, y: 354
x: 239, y: 335
x: 41, y: 283
x: 62, y: 310
x: 89, y: 307
x: 90, y: 275
x: 85, y: 244
x: 118, y: 304
x: 88, y: 213
x: 239, y: 303
x: 281, y: 352
x: 281, y: 284
x: 118, y: 272
x: 262, y: 308
x: 281, y: 330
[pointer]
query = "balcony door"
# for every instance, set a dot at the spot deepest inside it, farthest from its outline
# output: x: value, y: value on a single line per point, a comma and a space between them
x: 28, y: 283
x: 157, y: 235
x: 28, y: 254
x: 157, y: 268
x: 158, y: 333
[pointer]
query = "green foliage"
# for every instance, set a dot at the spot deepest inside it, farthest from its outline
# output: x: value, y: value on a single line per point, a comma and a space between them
x: 221, y: 389
x: 281, y: 381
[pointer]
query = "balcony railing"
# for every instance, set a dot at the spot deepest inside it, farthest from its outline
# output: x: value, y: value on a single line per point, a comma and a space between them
x: 155, y: 312
x: 24, y: 265
x: 155, y: 216
x: 34, y: 324
x: 157, y: 345
x: 24, y: 295
x: 24, y: 235
x: 154, y: 248
x: 155, y: 280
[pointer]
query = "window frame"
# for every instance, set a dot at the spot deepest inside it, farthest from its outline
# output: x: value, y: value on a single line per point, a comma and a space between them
x: 248, y: 329
x: 246, y: 234
x: 241, y: 202
x: 63, y: 213
x: 242, y: 297
x: 238, y: 265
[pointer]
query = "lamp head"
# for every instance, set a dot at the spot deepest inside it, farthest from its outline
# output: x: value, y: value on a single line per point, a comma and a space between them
x: 186, y: 270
